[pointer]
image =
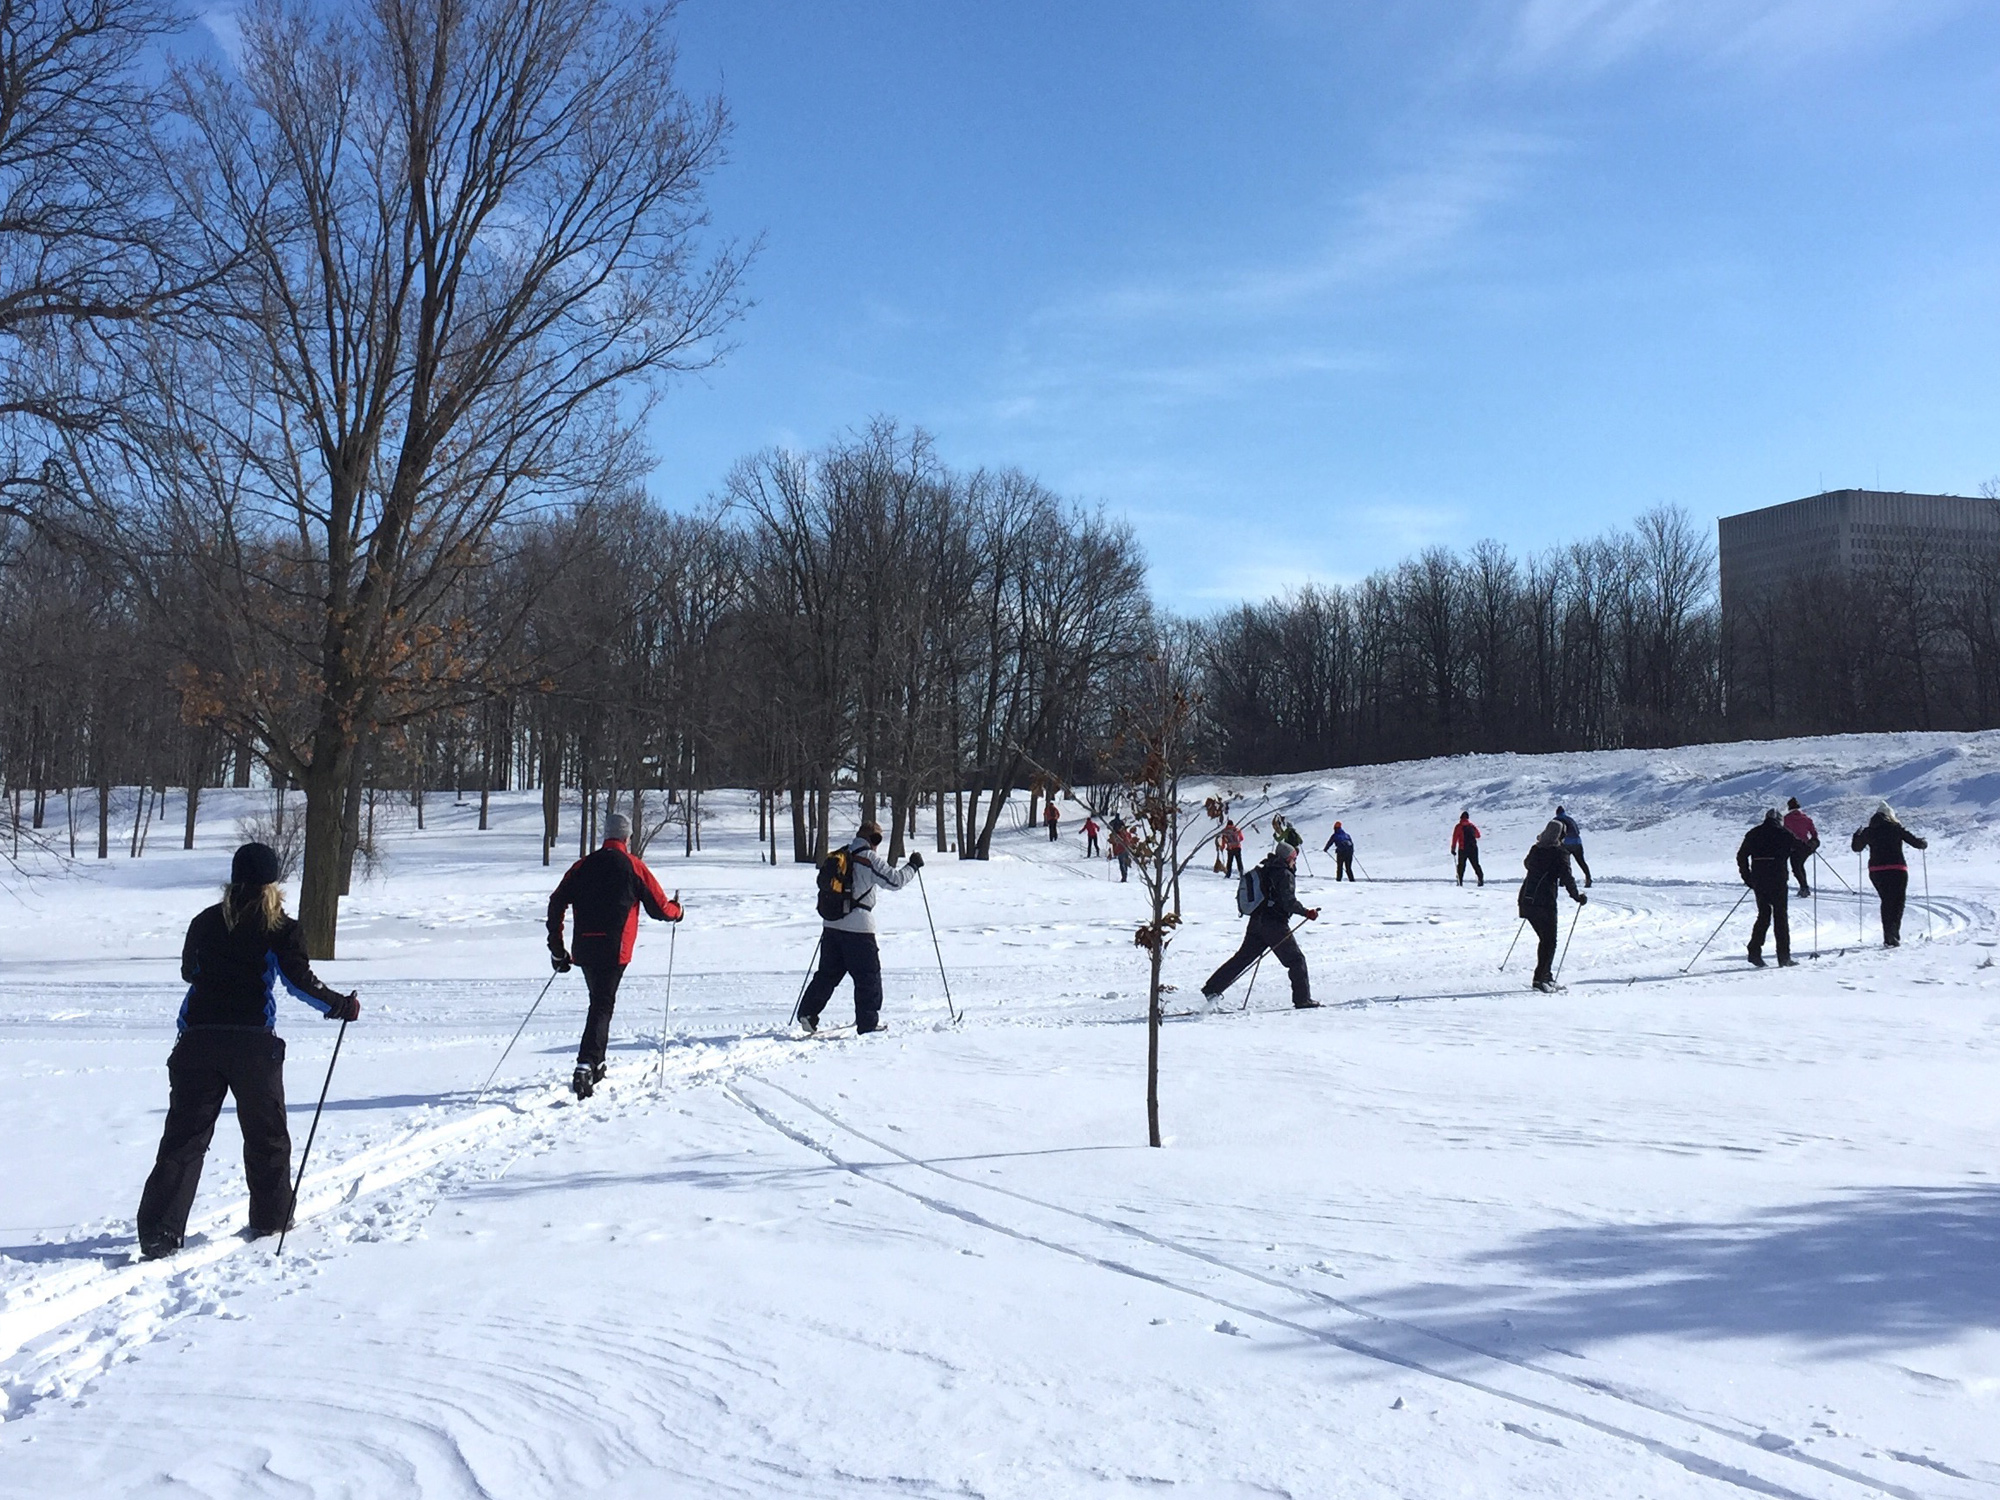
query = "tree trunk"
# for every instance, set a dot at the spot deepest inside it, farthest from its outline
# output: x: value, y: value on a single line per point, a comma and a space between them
x: 326, y: 784
x: 193, y: 808
x: 350, y: 825
x: 823, y: 834
x: 800, y: 855
x: 1153, y: 1036
x: 551, y: 792
x: 103, y: 816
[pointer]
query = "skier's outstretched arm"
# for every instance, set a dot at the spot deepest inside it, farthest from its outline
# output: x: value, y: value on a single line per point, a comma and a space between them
x: 658, y: 906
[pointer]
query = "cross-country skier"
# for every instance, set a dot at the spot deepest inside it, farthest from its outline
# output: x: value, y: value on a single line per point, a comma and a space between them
x: 1090, y: 838
x: 1341, y: 842
x: 1888, y: 871
x: 1547, y: 865
x: 1763, y: 860
x: 1121, y: 847
x: 1282, y: 832
x: 607, y: 888
x: 1800, y: 827
x: 1269, y: 930
x: 1232, y: 848
x: 847, y: 940
x: 1052, y: 817
x: 237, y: 955
x: 1465, y: 844
x: 1573, y: 844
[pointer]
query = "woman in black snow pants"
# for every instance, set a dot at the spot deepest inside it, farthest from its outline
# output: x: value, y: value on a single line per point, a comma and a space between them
x: 238, y: 954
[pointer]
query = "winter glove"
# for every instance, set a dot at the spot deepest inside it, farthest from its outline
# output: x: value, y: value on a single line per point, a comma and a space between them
x: 674, y: 911
x: 346, y: 1008
x: 1312, y: 913
x: 559, y: 960
x: 1581, y: 899
x: 916, y: 859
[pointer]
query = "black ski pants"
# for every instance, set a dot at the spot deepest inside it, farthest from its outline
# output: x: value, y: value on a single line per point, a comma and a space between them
x: 1543, y: 920
x: 207, y: 1064
x: 842, y: 954
x: 1576, y: 853
x: 1054, y: 836
x: 602, y: 981
x: 1232, y: 861
x: 1266, y: 934
x: 1893, y: 886
x: 1343, y: 863
x: 1772, y: 890
x: 1799, y: 870
x: 1469, y: 856
x: 1090, y: 848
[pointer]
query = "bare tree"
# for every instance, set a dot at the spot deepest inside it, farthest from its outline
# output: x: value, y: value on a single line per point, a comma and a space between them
x: 464, y: 241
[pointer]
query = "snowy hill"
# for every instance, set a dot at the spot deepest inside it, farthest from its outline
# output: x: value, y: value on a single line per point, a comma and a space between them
x: 1657, y: 1235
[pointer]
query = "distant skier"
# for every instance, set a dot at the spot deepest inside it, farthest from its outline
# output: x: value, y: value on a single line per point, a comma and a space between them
x: 1090, y: 837
x: 1232, y: 848
x: 1573, y: 844
x: 1341, y: 842
x: 237, y: 954
x: 1269, y: 930
x: 607, y: 888
x: 1052, y: 817
x: 1121, y: 847
x: 1763, y: 860
x: 1547, y: 865
x: 1465, y: 844
x: 1282, y: 832
x: 1800, y: 827
x: 847, y: 936
x: 1888, y: 871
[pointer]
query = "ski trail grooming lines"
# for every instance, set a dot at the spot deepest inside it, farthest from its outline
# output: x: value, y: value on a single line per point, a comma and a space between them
x: 306, y: 1155
x: 1517, y: 938
x: 1711, y: 937
x: 667, y: 1011
x: 925, y: 893
x: 481, y: 1097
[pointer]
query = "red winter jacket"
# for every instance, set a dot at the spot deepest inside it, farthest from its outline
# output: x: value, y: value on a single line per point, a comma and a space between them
x: 1464, y: 832
x: 607, y: 889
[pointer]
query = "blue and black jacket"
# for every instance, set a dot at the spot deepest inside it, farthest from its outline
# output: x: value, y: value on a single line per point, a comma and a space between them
x: 234, y: 976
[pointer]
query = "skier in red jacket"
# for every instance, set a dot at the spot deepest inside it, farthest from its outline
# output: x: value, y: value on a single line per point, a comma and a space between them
x: 1800, y: 827
x: 1465, y: 844
x: 607, y: 889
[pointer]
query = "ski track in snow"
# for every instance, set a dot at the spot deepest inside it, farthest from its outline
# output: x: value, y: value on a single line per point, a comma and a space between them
x: 1039, y: 965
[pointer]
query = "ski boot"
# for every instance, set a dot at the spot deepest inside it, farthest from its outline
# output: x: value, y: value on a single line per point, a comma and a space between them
x: 1756, y: 958
x: 808, y: 1024
x: 597, y: 1072
x: 581, y: 1083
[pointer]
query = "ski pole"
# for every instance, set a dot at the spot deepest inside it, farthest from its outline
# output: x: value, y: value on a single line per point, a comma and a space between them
x: 666, y: 1014
x: 934, y: 945
x: 1927, y: 893
x: 516, y: 1037
x: 811, y: 964
x: 1363, y: 869
x: 1713, y: 935
x: 1860, y: 932
x: 1566, y: 942
x: 306, y: 1155
x: 1510, y: 947
x: 1827, y: 865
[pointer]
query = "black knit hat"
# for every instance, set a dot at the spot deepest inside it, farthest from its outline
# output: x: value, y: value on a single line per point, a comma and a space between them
x: 256, y: 864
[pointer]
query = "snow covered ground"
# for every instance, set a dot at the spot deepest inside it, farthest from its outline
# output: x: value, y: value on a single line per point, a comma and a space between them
x: 1659, y: 1235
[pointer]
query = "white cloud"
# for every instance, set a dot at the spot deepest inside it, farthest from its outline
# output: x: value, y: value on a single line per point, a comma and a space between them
x: 225, y: 27
x: 1596, y: 34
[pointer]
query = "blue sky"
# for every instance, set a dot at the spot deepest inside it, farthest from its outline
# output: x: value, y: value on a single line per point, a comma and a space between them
x: 1301, y: 288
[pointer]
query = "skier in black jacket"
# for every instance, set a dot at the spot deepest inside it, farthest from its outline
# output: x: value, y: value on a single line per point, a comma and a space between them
x: 1547, y: 865
x: 606, y: 888
x: 1888, y: 871
x: 238, y: 954
x: 1764, y: 860
x: 1269, y: 930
